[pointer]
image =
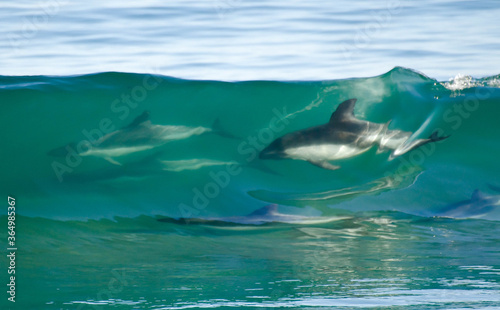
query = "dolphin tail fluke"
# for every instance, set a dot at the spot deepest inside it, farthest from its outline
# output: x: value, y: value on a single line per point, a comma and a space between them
x: 435, y: 138
x: 219, y: 130
x: 417, y: 143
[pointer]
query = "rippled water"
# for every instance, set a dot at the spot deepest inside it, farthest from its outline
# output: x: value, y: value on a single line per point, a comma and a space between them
x: 168, y: 228
x: 183, y: 225
x: 378, y: 260
x: 242, y: 40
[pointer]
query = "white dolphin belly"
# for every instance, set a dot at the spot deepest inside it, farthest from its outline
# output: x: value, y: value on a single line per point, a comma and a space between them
x: 169, y: 133
x: 144, y: 138
x: 116, y: 151
x: 322, y: 152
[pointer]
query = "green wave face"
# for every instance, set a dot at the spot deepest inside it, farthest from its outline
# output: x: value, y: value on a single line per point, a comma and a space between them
x: 208, y: 165
x: 137, y: 191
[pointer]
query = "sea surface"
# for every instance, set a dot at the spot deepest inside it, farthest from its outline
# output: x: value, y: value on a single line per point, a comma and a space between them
x: 172, y: 226
x: 250, y: 40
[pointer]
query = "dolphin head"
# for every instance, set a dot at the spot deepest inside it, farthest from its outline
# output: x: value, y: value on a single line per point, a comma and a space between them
x: 275, y: 150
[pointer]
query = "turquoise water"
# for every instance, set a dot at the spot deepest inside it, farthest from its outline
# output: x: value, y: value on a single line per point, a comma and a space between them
x: 89, y: 235
x: 167, y: 225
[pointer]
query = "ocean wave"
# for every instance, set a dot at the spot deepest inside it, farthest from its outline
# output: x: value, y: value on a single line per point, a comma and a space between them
x: 216, y: 172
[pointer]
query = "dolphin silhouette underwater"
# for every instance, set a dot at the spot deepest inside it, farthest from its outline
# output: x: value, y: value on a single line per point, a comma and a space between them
x: 140, y: 135
x: 477, y: 206
x: 344, y: 136
x: 265, y: 215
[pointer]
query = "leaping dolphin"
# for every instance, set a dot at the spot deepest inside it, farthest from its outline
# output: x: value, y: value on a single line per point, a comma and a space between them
x: 140, y: 135
x: 342, y: 137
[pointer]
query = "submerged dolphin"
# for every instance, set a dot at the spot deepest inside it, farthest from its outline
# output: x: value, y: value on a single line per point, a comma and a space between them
x: 342, y: 137
x: 138, y: 136
x: 477, y: 206
x: 267, y: 214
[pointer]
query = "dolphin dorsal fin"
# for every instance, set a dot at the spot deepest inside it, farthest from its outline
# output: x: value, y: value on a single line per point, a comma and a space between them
x: 144, y: 117
x: 477, y: 195
x: 345, y: 111
x: 267, y: 210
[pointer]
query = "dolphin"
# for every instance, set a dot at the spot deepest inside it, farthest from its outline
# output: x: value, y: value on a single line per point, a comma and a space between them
x: 140, y: 135
x: 146, y: 167
x: 344, y: 136
x: 477, y: 206
x: 264, y: 215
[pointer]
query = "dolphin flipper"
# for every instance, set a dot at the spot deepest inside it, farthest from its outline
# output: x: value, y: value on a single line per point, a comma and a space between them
x: 324, y: 164
x: 111, y: 160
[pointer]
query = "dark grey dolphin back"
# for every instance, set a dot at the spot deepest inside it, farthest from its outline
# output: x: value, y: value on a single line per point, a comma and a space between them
x: 267, y: 210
